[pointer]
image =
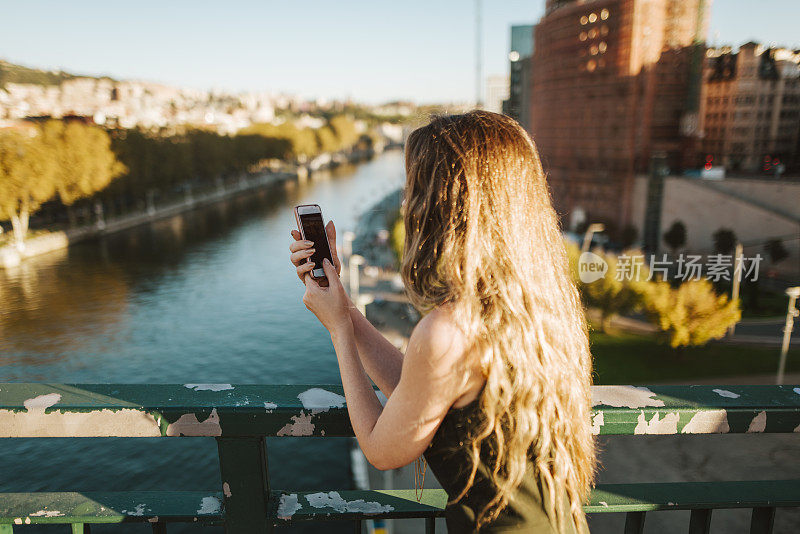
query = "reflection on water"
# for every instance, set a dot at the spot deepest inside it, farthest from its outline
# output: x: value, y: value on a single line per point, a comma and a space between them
x: 206, y: 296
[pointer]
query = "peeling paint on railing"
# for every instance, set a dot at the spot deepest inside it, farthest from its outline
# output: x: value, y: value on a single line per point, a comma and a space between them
x: 171, y: 410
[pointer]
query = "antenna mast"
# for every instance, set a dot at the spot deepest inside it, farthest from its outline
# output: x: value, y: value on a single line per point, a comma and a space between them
x: 478, y: 53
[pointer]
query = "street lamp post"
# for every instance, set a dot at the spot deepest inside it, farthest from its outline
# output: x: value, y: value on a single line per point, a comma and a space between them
x: 587, y: 237
x: 791, y: 313
x: 737, y: 280
x: 347, y: 244
x: 353, y: 262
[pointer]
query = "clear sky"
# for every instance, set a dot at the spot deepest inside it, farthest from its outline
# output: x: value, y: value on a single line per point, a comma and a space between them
x: 371, y: 51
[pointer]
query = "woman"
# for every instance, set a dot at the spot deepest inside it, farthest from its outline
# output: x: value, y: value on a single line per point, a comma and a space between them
x: 494, y: 387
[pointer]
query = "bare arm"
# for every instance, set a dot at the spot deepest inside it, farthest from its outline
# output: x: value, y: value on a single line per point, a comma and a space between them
x: 394, y: 435
x: 381, y: 360
x: 434, y: 375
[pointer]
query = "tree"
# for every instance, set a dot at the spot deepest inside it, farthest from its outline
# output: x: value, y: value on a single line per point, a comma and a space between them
x: 611, y: 294
x: 398, y: 237
x: 675, y: 237
x: 327, y: 140
x: 85, y: 163
x: 776, y: 251
x: 724, y: 241
x: 302, y: 141
x: 614, y: 295
x: 692, y: 314
x: 27, y: 178
x: 345, y: 129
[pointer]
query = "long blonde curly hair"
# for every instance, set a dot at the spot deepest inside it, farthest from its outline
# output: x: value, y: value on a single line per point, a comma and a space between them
x: 481, y: 232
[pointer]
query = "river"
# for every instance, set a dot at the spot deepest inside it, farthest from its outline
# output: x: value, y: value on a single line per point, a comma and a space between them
x: 206, y: 296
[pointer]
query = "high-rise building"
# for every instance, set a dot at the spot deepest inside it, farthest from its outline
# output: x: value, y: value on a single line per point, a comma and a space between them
x: 613, y: 84
x: 496, y: 93
x: 519, y: 57
x: 750, y: 118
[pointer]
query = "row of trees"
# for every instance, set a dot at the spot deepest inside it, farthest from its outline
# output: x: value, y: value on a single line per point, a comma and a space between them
x: 69, y: 161
x: 725, y: 241
x: 303, y: 142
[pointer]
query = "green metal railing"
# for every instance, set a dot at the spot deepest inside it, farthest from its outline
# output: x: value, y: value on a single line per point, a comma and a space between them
x: 242, y: 417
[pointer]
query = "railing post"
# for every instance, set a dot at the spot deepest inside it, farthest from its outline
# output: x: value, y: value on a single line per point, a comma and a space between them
x: 700, y: 521
x: 634, y: 523
x: 430, y: 525
x: 245, y: 484
x: 763, y: 520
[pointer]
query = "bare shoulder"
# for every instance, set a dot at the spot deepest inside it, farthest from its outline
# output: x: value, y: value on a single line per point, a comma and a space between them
x: 438, y: 344
x: 438, y: 331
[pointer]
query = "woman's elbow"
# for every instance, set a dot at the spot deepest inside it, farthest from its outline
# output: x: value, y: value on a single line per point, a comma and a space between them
x: 379, y: 462
x: 382, y: 461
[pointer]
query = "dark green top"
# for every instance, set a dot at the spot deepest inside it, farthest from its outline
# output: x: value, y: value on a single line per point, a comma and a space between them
x: 448, y: 458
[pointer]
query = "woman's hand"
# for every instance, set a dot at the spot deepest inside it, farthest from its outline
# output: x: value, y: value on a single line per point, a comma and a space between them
x: 301, y: 250
x: 330, y: 304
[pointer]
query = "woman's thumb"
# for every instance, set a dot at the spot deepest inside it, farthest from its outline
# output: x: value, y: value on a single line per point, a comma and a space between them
x: 329, y: 269
x: 330, y: 230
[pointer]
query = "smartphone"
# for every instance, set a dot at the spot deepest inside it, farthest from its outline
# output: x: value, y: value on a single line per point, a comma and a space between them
x: 311, y: 227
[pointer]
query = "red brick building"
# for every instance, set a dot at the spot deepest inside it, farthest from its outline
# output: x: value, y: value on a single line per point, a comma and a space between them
x: 614, y: 82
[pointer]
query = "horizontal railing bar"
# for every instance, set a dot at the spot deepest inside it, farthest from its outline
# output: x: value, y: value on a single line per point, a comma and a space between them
x: 110, y: 507
x: 166, y: 410
x: 287, y: 507
x: 292, y: 506
x: 654, y: 496
x: 605, y: 498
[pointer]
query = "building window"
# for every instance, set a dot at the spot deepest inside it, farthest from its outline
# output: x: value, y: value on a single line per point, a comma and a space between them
x: 604, y: 14
x: 603, y: 30
x: 584, y: 20
x: 591, y: 65
x: 593, y: 17
x: 582, y: 36
x: 603, y: 47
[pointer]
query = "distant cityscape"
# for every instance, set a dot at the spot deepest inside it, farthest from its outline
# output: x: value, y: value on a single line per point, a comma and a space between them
x: 141, y: 104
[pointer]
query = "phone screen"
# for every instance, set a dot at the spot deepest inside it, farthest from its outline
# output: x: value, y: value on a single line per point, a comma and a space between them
x: 315, y: 231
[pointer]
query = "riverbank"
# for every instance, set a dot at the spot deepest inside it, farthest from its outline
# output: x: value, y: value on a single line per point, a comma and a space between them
x: 43, y: 243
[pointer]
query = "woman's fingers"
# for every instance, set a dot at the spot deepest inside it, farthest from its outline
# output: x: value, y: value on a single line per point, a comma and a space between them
x: 296, y: 246
x: 300, y: 255
x: 304, y: 269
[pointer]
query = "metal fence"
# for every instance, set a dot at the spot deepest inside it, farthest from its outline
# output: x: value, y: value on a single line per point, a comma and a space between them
x: 242, y: 418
